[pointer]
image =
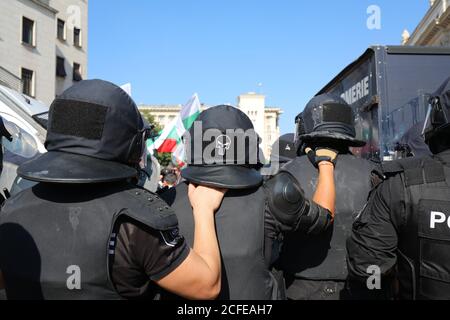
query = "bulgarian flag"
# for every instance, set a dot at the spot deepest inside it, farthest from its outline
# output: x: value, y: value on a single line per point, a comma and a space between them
x: 170, y: 137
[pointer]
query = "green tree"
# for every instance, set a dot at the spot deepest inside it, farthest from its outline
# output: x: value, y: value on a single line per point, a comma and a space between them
x: 164, y: 159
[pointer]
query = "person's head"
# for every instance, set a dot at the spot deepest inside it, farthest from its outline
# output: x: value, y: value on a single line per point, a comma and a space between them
x: 95, y: 134
x: 284, y: 149
x: 223, y: 150
x: 437, y: 124
x: 327, y: 121
x: 170, y: 180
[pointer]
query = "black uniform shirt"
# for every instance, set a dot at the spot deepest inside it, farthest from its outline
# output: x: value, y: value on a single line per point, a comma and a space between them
x: 376, y: 230
x: 376, y: 233
x: 374, y: 238
x: 142, y: 255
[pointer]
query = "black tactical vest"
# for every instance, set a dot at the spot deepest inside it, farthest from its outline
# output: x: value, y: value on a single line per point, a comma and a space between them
x: 240, y: 231
x: 59, y: 238
x: 323, y: 257
x: 424, y: 242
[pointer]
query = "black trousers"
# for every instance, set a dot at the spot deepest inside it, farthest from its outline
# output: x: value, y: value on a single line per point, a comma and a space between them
x: 302, y: 289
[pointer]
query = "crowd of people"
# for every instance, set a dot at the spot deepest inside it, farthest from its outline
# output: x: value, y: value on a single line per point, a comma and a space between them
x: 318, y: 223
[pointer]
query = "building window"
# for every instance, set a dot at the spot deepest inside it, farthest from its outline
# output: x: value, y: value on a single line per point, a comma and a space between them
x: 77, y: 37
x: 28, y: 32
x: 161, y: 119
x: 28, y: 82
x: 77, y: 72
x: 60, y: 67
x: 61, y: 33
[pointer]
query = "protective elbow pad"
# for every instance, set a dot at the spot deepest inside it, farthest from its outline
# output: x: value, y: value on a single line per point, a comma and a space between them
x: 286, y: 200
x: 316, y: 221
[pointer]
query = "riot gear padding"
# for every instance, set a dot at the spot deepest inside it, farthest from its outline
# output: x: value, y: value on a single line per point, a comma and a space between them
x: 80, y: 235
x: 423, y: 257
x: 240, y: 225
x: 288, y: 205
x: 322, y: 257
x: 286, y: 199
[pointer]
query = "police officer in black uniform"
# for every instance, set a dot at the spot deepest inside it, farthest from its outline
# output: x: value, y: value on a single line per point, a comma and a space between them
x: 400, y: 244
x: 224, y: 153
x: 315, y: 266
x: 85, y: 231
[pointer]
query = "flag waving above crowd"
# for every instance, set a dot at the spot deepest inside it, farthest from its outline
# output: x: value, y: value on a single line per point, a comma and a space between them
x: 169, y: 140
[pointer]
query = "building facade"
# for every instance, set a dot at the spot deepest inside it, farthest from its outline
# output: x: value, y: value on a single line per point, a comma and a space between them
x: 265, y: 119
x: 43, y: 45
x: 71, y: 42
x: 433, y: 29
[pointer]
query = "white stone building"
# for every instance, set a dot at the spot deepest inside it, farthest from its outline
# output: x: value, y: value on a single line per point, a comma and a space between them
x: 265, y: 119
x: 433, y: 29
x: 43, y: 44
x: 71, y: 41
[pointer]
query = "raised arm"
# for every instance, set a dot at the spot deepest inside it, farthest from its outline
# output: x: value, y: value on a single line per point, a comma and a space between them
x: 325, y: 194
x: 290, y: 208
x: 199, y: 276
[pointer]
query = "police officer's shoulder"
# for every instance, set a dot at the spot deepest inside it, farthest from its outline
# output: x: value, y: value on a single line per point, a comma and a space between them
x: 284, y: 194
x: 415, y: 171
x: 150, y: 209
x: 392, y: 168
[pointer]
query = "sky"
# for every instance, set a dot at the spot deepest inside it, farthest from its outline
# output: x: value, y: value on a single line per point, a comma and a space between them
x: 286, y: 49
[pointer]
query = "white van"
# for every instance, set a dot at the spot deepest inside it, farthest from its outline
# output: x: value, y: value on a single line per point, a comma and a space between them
x: 26, y: 119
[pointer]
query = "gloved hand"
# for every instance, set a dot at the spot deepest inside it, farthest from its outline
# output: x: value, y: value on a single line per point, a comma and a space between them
x: 321, y: 154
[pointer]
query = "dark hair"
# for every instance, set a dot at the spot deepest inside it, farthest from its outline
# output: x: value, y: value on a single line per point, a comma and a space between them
x: 170, y: 178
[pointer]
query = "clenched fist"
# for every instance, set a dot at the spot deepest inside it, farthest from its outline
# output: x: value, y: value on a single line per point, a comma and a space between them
x: 205, y: 198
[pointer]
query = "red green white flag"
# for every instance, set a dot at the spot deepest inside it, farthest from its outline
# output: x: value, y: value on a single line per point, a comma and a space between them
x: 170, y: 136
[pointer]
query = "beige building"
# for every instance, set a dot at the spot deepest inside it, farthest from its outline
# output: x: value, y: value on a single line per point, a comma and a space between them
x: 265, y: 119
x: 43, y: 45
x: 433, y: 29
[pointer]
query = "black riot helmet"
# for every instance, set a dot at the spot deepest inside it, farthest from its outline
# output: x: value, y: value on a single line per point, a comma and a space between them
x: 284, y: 149
x: 327, y: 118
x: 95, y: 135
x: 438, y: 116
x: 223, y: 150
